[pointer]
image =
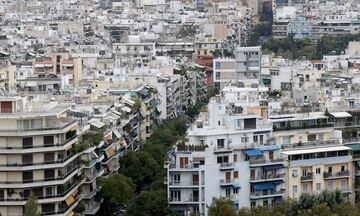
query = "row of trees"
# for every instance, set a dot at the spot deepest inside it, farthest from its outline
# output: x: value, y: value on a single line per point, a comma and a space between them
x: 325, y: 203
x: 296, y: 49
x: 139, y: 187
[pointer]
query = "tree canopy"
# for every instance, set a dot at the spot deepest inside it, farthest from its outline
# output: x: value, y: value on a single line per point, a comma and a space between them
x: 31, y: 206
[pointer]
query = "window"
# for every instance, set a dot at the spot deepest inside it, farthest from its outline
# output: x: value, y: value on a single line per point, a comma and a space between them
x: 342, y: 168
x: 27, y: 176
x: 27, y: 159
x: 184, y: 161
x: 330, y: 185
x: 235, y: 158
x: 321, y: 136
x: 49, y: 174
x: 175, y: 195
x: 217, y: 75
x: 294, y: 189
x: 176, y: 178
x: 318, y: 170
x: 222, y: 159
x: 49, y: 208
x: 48, y: 191
x: 271, y: 155
x: 49, y: 157
x: 256, y: 139
x: 48, y: 140
x: 265, y: 203
x: 312, y: 137
x: 304, y: 172
x: 195, y: 179
x: 305, y: 188
x: 227, y: 192
x: 307, y: 77
x: 318, y: 186
x: 27, y: 142
x: 253, y: 204
x: 343, y: 185
x: 235, y: 191
x: 286, y: 140
x: 236, y: 174
x: 330, y: 169
x: 1, y: 195
x: 220, y: 143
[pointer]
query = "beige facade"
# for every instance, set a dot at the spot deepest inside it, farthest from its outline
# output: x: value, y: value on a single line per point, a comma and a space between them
x: 314, y: 169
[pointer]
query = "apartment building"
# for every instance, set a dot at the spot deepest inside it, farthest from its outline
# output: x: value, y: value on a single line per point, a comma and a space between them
x: 319, y: 166
x: 60, y: 63
x: 38, y: 158
x: 248, y: 65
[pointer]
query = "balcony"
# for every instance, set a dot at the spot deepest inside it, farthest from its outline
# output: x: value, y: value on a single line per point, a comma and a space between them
x: 270, y: 177
x: 189, y: 200
x: 39, y: 148
x: 227, y: 166
x: 227, y: 182
x: 307, y: 178
x: 265, y: 162
x: 340, y: 174
x: 92, y: 208
x: 40, y: 182
x: 184, y: 184
x: 266, y: 194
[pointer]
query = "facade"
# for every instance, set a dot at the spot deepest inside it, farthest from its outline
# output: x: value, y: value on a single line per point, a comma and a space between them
x: 305, y: 174
x: 37, y: 158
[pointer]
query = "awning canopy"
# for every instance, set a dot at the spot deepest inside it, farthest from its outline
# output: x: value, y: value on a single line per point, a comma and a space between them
x: 269, y: 148
x: 96, y: 123
x: 274, y: 167
x: 340, y: 114
x: 70, y: 200
x: 268, y: 186
x: 237, y: 186
x: 253, y: 152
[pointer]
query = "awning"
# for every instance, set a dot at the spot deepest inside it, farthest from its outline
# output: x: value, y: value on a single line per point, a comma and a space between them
x: 268, y: 186
x: 117, y: 134
x: 75, y: 193
x: 253, y: 152
x: 237, y: 186
x: 71, y: 214
x: 268, y: 148
x: 354, y: 147
x: 110, y: 152
x: 274, y: 167
x: 70, y: 200
x: 340, y: 114
x: 109, y: 166
x: 96, y: 123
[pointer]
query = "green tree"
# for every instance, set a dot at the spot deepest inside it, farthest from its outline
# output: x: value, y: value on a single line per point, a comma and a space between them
x: 149, y: 203
x: 31, y: 206
x: 117, y: 189
x: 141, y: 168
x: 221, y: 207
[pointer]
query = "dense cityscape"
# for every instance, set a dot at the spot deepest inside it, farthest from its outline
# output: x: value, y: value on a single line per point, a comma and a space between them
x: 180, y: 107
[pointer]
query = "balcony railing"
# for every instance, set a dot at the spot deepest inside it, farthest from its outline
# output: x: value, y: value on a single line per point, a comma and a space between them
x: 268, y: 177
x: 262, y: 160
x: 39, y: 163
x: 344, y: 173
x: 47, y: 126
x: 266, y: 193
x: 229, y: 181
x: 307, y: 177
x: 41, y: 180
x: 40, y: 146
x: 190, y: 199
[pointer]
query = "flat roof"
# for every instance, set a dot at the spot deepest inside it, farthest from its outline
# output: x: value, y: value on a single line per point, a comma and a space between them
x: 316, y: 150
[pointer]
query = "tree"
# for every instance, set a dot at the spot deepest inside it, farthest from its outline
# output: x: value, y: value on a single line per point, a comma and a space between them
x: 141, y: 167
x: 31, y: 206
x: 221, y: 207
x: 117, y: 189
x: 149, y: 203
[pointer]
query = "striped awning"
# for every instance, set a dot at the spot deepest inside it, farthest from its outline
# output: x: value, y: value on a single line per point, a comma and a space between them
x: 70, y: 200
